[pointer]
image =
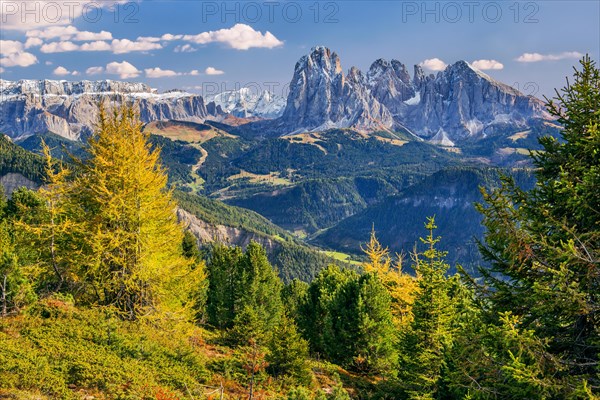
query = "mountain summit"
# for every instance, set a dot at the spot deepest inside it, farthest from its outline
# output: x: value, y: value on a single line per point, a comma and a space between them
x: 321, y: 97
x: 457, y: 104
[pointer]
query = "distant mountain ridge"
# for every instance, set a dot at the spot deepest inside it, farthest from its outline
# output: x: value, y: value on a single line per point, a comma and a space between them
x: 70, y: 109
x: 246, y: 102
x: 458, y: 104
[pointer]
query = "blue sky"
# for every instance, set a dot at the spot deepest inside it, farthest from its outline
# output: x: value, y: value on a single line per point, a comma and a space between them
x: 213, y: 45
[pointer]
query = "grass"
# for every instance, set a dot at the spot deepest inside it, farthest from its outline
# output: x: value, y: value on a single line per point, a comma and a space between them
x: 186, y: 131
x: 55, y: 350
x: 346, y: 258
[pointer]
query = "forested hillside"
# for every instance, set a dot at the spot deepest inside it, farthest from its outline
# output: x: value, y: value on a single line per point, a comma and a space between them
x: 104, y: 295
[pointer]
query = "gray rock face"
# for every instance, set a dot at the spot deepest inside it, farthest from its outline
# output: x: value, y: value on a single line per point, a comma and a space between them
x: 321, y: 97
x: 70, y: 109
x: 13, y: 181
x: 209, y: 232
x: 390, y: 83
x: 462, y: 102
x: 458, y: 104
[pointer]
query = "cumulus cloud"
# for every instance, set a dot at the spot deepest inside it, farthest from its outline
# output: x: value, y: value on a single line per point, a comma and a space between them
x: 13, y: 54
x: 159, y: 73
x: 117, y: 46
x: 94, y: 70
x: 433, y: 64
x: 213, y: 71
x: 10, y: 46
x: 239, y: 37
x: 537, y: 57
x: 68, y: 33
x: 170, y: 37
x: 185, y: 48
x: 59, y: 47
x: 487, y: 64
x: 33, y: 42
x: 95, y: 46
x: 124, y: 69
x: 121, y: 46
x: 167, y: 73
x: 62, y: 71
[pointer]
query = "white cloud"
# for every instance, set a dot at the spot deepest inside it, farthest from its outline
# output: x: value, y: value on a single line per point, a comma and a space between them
x: 62, y: 71
x: 160, y: 73
x: 94, y: 70
x: 169, y: 37
x: 167, y: 73
x: 14, y: 56
x: 213, y: 71
x: 121, y: 46
x: 185, y: 48
x: 487, y: 64
x: 537, y: 57
x: 95, y: 46
x: 48, y: 63
x: 124, y: 69
x: 117, y: 46
x: 89, y: 36
x: 59, y: 47
x: 10, y: 47
x: 433, y: 64
x: 239, y: 37
x: 54, y: 32
x: 1, y: 70
x: 33, y: 42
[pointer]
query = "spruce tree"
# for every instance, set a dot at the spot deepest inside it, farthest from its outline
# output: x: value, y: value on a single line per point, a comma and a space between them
x: 543, y: 248
x: 430, y: 335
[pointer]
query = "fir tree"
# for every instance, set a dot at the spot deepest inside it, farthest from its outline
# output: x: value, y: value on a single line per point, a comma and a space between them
x: 543, y: 247
x: 430, y: 335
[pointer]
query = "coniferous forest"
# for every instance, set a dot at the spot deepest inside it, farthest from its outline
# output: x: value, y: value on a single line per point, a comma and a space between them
x: 105, y: 295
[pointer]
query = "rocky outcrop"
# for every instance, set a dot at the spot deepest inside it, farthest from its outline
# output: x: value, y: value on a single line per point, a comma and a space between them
x: 463, y: 103
x: 13, y: 181
x: 70, y: 109
x: 322, y: 97
x: 460, y: 103
x: 208, y: 233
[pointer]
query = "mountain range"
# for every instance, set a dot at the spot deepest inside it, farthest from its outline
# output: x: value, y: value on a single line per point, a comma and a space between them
x: 458, y: 104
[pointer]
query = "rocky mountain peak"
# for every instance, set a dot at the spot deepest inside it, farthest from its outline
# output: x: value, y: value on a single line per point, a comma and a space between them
x: 322, y: 97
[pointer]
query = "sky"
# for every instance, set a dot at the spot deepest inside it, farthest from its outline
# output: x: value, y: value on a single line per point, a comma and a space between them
x: 211, y: 46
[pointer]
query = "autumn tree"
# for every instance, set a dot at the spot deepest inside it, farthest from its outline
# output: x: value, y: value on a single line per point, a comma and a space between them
x: 133, y: 241
x: 401, y: 286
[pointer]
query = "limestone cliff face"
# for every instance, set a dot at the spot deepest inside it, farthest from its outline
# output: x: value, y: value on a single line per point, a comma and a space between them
x: 12, y: 182
x: 323, y: 97
x: 70, y: 109
x: 208, y: 233
x: 460, y: 103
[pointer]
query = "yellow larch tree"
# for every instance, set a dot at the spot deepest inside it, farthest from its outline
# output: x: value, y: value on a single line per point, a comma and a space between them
x: 402, y: 287
x: 133, y: 238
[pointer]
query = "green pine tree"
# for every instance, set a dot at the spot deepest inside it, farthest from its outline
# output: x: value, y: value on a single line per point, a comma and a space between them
x: 543, y: 247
